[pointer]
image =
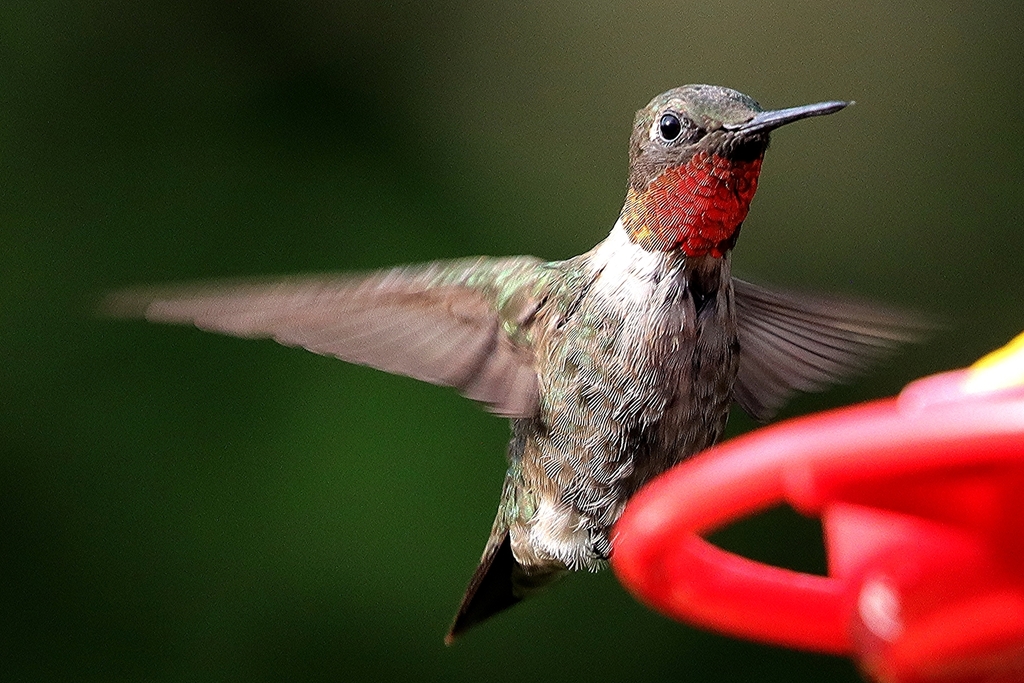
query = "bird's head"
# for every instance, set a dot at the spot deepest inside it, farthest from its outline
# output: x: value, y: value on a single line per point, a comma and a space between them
x: 694, y: 157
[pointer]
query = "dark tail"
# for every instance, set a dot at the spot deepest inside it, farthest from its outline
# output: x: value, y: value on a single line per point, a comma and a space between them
x: 498, y: 583
x: 491, y: 590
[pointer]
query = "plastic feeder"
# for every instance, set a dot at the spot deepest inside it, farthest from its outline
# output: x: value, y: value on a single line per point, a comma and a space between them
x: 921, y: 499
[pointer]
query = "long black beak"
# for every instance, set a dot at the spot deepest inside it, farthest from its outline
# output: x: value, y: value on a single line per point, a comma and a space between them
x: 770, y: 120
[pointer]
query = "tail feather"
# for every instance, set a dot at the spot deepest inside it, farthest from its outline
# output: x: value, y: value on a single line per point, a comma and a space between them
x: 491, y: 590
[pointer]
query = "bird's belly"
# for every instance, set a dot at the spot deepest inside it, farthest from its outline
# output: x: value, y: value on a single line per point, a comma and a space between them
x: 622, y: 408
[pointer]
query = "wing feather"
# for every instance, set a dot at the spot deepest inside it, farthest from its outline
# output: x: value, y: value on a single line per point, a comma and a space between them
x: 797, y: 342
x: 446, y: 323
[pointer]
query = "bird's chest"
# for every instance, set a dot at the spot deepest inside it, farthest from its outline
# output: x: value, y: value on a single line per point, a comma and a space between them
x: 671, y: 359
x: 640, y: 377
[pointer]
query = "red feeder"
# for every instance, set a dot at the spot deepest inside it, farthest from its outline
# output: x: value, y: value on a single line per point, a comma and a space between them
x: 922, y: 502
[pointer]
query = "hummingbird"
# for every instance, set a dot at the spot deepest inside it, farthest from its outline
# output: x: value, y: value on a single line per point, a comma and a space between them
x: 612, y: 366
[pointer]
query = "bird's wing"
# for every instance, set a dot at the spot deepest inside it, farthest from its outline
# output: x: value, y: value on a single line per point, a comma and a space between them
x: 798, y: 342
x: 464, y: 324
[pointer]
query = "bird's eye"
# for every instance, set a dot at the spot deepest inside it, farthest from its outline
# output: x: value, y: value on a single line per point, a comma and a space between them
x: 670, y: 127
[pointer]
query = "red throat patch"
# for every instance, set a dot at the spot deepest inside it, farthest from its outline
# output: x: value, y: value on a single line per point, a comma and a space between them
x: 695, y: 208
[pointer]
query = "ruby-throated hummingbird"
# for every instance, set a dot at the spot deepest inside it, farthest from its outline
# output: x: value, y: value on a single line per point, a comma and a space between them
x: 613, y: 365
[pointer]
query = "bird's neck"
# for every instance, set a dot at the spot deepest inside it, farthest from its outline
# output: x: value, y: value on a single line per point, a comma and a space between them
x: 637, y: 278
x: 696, y: 207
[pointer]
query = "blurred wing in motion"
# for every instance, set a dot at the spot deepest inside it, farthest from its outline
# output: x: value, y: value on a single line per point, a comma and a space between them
x: 463, y: 324
x: 797, y: 342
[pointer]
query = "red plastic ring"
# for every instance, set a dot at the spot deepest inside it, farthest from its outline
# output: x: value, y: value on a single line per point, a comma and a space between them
x: 659, y: 553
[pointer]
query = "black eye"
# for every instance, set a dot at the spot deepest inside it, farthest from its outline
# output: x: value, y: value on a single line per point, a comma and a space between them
x: 669, y: 127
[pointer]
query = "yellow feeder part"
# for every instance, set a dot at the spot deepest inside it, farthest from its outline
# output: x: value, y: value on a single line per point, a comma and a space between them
x: 1001, y: 369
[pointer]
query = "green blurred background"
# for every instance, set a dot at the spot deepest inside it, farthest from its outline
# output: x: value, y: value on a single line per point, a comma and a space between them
x: 176, y: 506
